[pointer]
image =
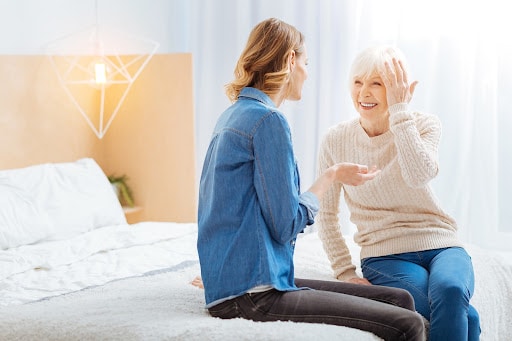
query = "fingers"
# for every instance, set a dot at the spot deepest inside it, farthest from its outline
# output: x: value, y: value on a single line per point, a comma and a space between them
x: 366, y: 175
x: 197, y: 282
x: 397, y: 72
x: 369, y: 176
x: 400, y: 75
x: 362, y: 169
x: 353, y: 174
x: 413, y: 87
x: 396, y: 75
x: 396, y: 81
x: 388, y: 76
x: 362, y: 174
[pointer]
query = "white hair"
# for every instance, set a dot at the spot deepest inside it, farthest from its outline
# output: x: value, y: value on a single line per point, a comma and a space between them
x: 373, y: 60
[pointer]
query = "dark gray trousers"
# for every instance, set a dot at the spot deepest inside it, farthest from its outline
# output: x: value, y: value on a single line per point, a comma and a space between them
x: 386, y: 312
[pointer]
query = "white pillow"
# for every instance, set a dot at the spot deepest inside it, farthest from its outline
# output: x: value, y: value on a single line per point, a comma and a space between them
x: 76, y: 196
x: 22, y: 221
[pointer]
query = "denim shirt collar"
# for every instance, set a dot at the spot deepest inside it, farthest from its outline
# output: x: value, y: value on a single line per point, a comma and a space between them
x: 257, y: 95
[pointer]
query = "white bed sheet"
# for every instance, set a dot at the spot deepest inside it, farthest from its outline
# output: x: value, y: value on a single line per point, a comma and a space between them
x: 133, y: 283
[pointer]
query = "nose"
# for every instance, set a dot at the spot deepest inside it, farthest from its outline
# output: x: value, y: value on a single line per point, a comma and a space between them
x: 365, y: 90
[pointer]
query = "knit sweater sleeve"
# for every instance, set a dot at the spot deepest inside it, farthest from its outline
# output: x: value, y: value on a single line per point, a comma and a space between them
x: 416, y: 139
x: 327, y: 221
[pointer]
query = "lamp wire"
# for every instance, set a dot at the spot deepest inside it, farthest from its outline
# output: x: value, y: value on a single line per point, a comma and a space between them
x: 97, y: 44
x: 96, y: 11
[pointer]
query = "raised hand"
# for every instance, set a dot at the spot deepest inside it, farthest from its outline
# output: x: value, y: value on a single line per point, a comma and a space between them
x: 395, y: 79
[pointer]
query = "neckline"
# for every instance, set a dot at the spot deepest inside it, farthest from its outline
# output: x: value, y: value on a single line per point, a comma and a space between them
x: 373, y: 139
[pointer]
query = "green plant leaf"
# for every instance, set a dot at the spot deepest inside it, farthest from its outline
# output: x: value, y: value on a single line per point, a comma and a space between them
x: 122, y: 184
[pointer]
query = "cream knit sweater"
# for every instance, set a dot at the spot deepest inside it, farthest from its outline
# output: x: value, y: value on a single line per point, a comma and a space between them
x: 395, y: 212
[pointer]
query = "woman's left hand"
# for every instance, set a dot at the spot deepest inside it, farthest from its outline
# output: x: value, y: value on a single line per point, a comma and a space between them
x: 398, y: 89
x: 198, y: 282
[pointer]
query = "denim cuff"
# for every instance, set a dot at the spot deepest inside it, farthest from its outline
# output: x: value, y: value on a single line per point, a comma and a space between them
x: 312, y: 204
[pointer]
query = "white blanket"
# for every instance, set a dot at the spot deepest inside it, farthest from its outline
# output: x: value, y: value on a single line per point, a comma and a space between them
x: 32, y: 272
x: 155, y: 301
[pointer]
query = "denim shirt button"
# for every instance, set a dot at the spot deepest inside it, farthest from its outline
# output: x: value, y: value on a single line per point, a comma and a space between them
x: 293, y: 242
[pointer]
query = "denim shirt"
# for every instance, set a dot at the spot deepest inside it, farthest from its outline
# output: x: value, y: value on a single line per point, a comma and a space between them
x: 250, y: 209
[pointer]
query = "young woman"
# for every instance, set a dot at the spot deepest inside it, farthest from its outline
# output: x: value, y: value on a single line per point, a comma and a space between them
x: 251, y: 208
x: 407, y: 241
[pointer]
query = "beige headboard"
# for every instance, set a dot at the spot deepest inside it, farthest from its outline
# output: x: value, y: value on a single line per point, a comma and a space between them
x: 151, y: 140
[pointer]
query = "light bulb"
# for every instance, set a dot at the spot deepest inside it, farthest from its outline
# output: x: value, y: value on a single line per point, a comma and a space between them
x: 100, y: 72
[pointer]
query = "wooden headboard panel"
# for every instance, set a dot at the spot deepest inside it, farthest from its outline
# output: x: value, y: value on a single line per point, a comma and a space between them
x: 151, y: 140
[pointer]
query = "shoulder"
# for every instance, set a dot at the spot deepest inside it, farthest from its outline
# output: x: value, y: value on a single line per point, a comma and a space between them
x: 270, y: 117
x: 269, y: 124
x: 426, y: 121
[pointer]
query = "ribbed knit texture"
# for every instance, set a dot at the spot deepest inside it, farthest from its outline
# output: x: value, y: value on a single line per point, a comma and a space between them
x: 397, y: 211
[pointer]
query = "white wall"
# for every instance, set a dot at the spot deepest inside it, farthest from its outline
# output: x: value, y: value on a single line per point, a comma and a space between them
x: 26, y: 26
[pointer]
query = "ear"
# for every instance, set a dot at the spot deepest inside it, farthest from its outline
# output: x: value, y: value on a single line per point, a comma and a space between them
x: 291, y: 60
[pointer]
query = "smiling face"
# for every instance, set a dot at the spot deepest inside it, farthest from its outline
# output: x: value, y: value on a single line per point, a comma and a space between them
x: 369, y: 96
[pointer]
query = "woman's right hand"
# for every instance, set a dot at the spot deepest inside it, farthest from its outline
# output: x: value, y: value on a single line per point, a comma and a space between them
x: 347, y: 173
x: 352, y: 174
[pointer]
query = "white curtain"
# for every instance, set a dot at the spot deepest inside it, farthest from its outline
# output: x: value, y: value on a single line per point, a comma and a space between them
x: 459, y: 51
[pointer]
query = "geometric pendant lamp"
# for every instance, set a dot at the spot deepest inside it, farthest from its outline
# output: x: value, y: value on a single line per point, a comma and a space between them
x: 97, y: 69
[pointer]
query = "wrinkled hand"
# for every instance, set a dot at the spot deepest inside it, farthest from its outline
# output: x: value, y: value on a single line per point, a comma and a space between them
x: 353, y: 174
x: 359, y: 280
x: 398, y: 89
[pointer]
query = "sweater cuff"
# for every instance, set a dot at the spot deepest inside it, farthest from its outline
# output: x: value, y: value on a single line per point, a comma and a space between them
x: 398, y: 107
x: 345, y: 276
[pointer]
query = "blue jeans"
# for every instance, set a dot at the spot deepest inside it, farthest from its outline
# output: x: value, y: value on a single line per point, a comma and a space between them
x: 441, y: 282
x: 386, y: 312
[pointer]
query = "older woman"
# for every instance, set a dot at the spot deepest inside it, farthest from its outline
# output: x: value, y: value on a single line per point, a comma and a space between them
x: 407, y: 240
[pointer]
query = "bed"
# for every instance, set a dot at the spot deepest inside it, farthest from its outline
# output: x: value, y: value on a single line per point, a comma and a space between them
x: 72, y: 268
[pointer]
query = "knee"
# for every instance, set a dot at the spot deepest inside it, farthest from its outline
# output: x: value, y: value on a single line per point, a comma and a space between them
x: 473, y: 321
x: 454, y: 293
x: 473, y: 314
x: 406, y: 300
x: 417, y: 328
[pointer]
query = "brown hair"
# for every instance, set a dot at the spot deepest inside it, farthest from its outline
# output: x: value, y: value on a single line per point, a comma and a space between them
x: 263, y: 63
